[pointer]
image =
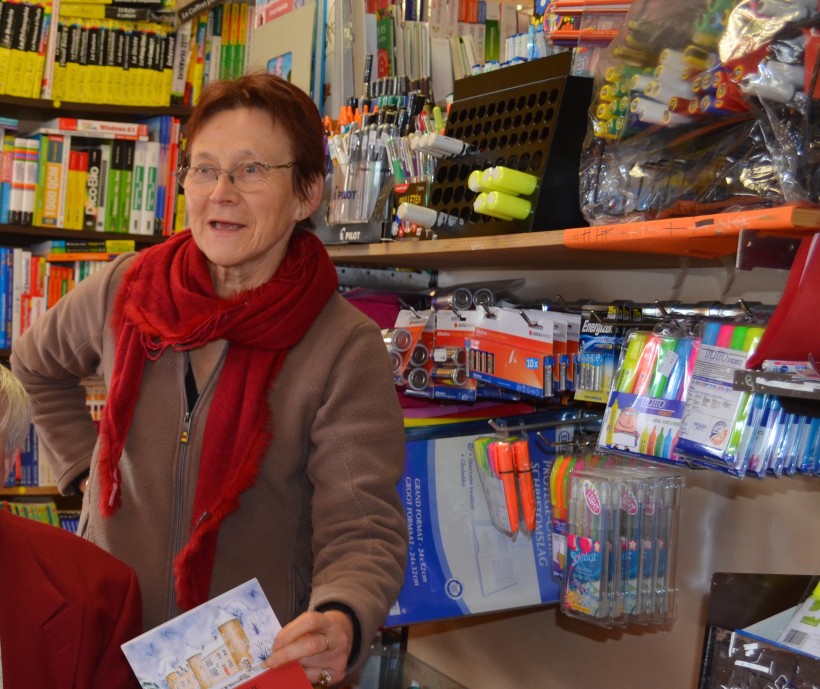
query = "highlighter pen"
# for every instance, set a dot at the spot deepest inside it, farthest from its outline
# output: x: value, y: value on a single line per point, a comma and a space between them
x: 753, y: 335
x: 646, y: 365
x: 724, y: 337
x: 751, y: 338
x: 738, y: 337
x: 438, y: 119
x: 626, y: 374
x: 480, y: 206
x: 508, y: 205
x: 523, y: 470
x: 674, y: 383
x: 481, y: 455
x: 512, y: 181
x: 666, y: 359
x: 474, y: 182
x: 690, y: 367
x: 427, y: 217
x: 448, y: 146
x: 555, y: 502
x: 506, y: 472
x: 710, y: 333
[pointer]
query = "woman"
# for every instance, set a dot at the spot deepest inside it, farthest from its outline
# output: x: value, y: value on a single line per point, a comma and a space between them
x: 252, y: 428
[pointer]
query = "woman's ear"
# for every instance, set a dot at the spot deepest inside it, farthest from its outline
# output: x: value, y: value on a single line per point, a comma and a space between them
x: 314, y: 197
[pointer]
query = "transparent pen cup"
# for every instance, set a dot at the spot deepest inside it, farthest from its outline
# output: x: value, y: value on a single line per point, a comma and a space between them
x: 356, y: 188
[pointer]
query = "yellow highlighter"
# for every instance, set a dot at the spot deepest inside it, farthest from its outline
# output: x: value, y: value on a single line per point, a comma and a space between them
x: 511, y: 181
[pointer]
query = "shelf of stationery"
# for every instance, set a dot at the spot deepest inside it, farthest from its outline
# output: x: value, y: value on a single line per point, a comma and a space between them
x: 23, y: 235
x: 702, y: 240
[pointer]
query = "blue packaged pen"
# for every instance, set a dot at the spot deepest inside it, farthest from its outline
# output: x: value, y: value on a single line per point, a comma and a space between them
x: 758, y: 452
x: 741, y: 459
x: 777, y: 436
x: 808, y: 457
x: 674, y: 384
x: 816, y: 454
x: 787, y: 452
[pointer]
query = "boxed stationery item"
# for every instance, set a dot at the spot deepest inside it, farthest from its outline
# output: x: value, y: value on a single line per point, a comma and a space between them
x: 703, y: 107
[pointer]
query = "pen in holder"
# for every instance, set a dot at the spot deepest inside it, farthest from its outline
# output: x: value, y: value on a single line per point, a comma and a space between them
x: 356, y: 187
x: 328, y: 218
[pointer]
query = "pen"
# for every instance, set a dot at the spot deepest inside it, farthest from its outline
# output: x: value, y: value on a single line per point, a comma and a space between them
x: 523, y: 470
x: 675, y: 381
x: 508, y: 205
x: 506, y: 472
x: 666, y: 359
x: 646, y: 365
x: 632, y: 355
x: 510, y: 181
x: 447, y: 146
x: 427, y: 217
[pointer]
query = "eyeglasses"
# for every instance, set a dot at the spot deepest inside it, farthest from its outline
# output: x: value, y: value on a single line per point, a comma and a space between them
x: 245, y: 177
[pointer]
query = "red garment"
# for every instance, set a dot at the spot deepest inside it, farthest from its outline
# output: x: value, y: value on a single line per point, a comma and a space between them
x: 68, y: 606
x: 167, y: 299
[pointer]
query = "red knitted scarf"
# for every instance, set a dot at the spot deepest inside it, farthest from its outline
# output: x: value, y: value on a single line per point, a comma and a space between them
x: 166, y: 300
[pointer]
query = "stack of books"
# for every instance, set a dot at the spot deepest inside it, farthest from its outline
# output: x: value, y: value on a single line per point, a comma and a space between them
x: 94, y: 175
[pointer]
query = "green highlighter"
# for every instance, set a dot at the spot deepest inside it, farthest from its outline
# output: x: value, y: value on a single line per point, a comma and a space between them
x: 665, y: 365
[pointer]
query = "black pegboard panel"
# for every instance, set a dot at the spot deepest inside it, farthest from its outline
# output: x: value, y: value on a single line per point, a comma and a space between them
x: 530, y: 117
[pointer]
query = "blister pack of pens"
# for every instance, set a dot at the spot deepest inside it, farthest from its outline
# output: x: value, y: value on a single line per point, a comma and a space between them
x: 649, y: 391
x: 506, y: 474
x: 716, y: 413
x: 591, y: 576
x: 775, y: 441
x: 562, y: 466
x: 622, y: 534
x: 650, y: 518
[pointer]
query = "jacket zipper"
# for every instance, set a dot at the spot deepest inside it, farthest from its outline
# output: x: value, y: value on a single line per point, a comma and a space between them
x: 187, y: 421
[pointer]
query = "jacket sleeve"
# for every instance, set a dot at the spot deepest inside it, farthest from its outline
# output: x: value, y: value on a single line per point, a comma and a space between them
x: 51, y: 359
x: 357, y: 458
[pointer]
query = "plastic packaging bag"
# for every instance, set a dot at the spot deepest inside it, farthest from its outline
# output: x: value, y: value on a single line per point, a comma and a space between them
x: 704, y: 107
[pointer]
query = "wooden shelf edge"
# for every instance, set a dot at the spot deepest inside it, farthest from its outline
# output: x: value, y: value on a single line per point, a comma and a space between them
x: 27, y: 234
x: 39, y: 491
x: 705, y: 236
x: 33, y: 105
x: 530, y: 250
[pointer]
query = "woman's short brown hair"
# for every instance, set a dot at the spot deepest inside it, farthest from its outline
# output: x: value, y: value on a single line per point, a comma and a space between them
x: 290, y: 108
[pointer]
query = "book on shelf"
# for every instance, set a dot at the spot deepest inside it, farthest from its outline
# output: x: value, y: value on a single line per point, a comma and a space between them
x: 17, y: 184
x: 75, y: 199
x: 93, y: 183
x: 45, y: 512
x: 27, y: 26
x: 5, y: 297
x: 123, y: 211
x: 31, y: 155
x: 101, y: 217
x: 152, y: 173
x: 51, y: 181
x: 6, y: 162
